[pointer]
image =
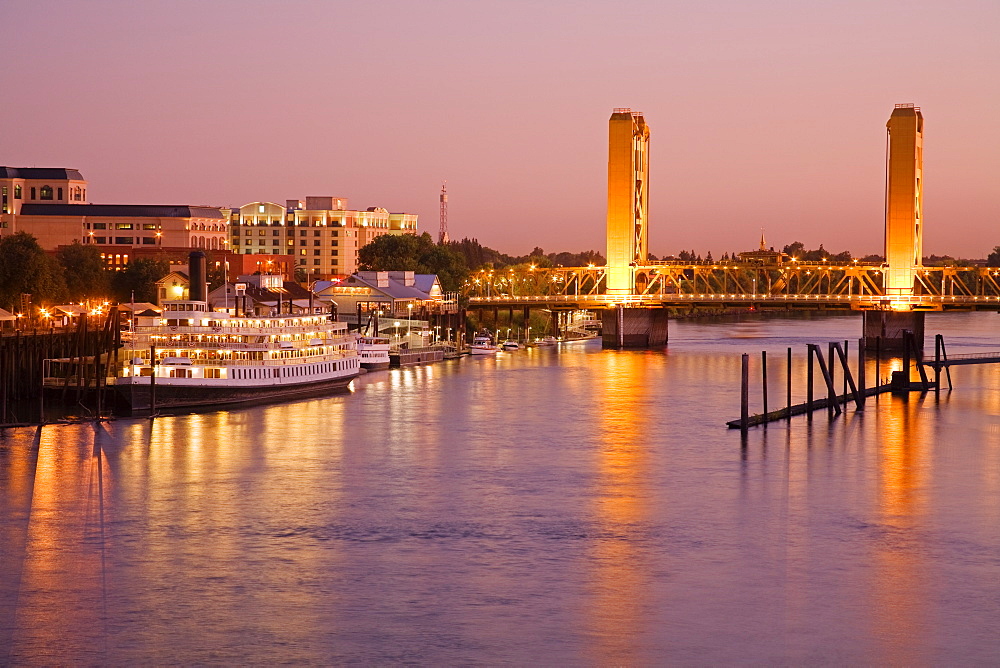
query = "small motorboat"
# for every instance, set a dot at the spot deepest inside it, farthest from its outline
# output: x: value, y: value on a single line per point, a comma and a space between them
x: 510, y: 345
x: 482, y: 345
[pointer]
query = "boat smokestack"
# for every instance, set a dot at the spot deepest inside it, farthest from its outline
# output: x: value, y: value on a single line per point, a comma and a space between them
x: 198, y: 275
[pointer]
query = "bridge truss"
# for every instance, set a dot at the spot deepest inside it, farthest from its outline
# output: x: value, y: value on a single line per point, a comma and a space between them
x: 806, y: 285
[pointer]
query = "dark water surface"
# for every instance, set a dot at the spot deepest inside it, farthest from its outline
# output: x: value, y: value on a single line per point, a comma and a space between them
x: 561, y: 506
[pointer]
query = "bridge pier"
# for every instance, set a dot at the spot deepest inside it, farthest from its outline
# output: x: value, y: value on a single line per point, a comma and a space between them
x: 889, y: 326
x: 623, y: 327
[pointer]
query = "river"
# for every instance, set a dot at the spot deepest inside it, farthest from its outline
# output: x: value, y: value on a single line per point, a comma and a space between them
x: 561, y: 505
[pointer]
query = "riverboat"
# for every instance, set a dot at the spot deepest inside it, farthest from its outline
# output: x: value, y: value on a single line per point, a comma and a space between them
x: 374, y: 352
x: 191, y: 357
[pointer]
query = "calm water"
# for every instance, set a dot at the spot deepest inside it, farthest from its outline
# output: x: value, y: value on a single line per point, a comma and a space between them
x: 557, y: 506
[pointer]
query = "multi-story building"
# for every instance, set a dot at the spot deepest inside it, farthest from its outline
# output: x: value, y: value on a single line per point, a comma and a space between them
x: 21, y: 185
x: 322, y: 234
x: 51, y: 205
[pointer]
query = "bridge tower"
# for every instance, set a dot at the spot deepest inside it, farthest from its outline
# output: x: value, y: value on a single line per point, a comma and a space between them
x: 903, y: 198
x: 628, y: 201
x: 903, y: 227
x: 628, y: 178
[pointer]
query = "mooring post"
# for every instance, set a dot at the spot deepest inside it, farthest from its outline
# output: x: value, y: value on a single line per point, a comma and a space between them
x: 152, y: 381
x: 861, y: 370
x: 878, y: 363
x: 831, y: 391
x: 906, y: 357
x: 809, y: 377
x: 846, y: 370
x: 763, y: 381
x: 745, y: 395
x: 788, y: 383
x: 937, y: 365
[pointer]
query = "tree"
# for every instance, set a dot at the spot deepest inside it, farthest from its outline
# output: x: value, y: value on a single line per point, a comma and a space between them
x: 138, y: 280
x: 409, y: 252
x: 83, y: 268
x: 993, y: 260
x: 26, y: 269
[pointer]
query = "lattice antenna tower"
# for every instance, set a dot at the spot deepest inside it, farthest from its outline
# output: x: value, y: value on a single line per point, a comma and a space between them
x: 443, y: 231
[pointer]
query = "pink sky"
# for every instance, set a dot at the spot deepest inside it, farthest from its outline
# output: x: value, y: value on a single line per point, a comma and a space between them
x: 763, y: 114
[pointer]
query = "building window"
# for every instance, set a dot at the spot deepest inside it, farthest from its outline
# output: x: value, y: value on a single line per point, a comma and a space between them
x: 149, y: 241
x: 316, y: 252
x: 275, y: 232
x: 302, y: 242
x: 46, y: 193
x: 124, y: 240
x: 123, y: 226
x: 275, y: 242
x: 302, y: 233
x: 261, y: 232
x: 316, y: 262
x: 316, y: 243
x: 17, y: 192
x: 32, y: 192
x: 149, y: 226
x: 315, y: 233
x: 59, y: 194
x: 100, y: 226
x: 303, y: 251
x: 100, y: 240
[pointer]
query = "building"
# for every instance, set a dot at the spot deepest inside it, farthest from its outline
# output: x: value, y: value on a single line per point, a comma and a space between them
x: 50, y: 204
x: 398, y: 294
x: 628, y: 198
x: 265, y: 294
x: 47, y: 185
x: 321, y: 234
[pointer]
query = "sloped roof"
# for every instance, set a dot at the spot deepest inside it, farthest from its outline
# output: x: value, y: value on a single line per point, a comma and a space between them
x: 422, y: 284
x: 122, y: 210
x: 54, y: 173
x: 7, y: 315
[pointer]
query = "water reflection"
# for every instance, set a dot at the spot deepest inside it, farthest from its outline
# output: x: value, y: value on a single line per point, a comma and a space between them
x: 619, y: 609
x: 900, y: 579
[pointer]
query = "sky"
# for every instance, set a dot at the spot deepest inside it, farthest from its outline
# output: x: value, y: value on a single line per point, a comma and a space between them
x: 763, y: 114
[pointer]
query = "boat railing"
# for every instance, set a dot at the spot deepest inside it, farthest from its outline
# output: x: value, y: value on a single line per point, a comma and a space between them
x: 283, y: 361
x: 249, y: 331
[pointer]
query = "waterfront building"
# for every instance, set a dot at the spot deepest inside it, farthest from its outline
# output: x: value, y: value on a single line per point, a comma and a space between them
x: 399, y: 294
x: 265, y: 295
x: 321, y: 233
x: 29, y: 185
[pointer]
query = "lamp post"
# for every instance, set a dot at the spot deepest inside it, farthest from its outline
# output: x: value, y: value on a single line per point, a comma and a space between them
x: 409, y: 321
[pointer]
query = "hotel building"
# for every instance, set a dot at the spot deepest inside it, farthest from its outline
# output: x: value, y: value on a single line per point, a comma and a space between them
x: 322, y: 234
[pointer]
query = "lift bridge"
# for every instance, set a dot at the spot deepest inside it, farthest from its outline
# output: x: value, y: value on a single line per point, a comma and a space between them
x: 723, y: 285
x: 635, y: 296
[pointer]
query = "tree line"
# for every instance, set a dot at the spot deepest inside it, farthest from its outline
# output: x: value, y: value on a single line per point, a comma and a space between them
x: 455, y: 260
x: 75, y: 273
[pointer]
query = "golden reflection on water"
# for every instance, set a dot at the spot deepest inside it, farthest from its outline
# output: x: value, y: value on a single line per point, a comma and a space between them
x: 64, y: 558
x: 620, y: 582
x: 899, y: 588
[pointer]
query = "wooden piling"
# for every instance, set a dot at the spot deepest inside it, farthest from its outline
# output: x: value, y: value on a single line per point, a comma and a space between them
x: 745, y: 394
x: 763, y: 376
x: 788, y: 383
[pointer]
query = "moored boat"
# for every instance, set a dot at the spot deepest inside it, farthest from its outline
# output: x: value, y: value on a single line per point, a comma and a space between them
x: 191, y: 357
x: 374, y: 352
x: 510, y: 345
x: 482, y: 345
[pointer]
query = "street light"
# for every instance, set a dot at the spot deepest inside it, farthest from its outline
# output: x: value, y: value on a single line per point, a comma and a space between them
x: 409, y: 321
